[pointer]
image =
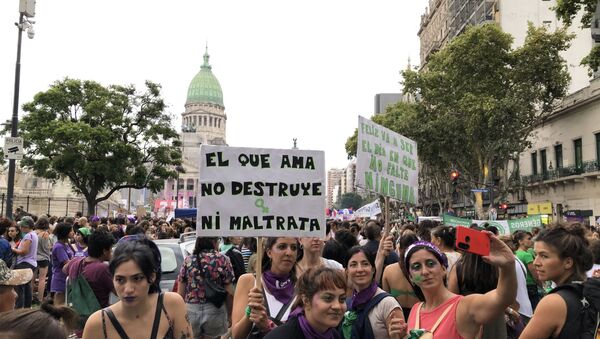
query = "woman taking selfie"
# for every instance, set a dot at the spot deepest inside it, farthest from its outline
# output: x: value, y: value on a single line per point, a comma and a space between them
x: 319, y: 308
x: 143, y: 310
x: 444, y: 313
x: 256, y: 312
x: 371, y: 310
x: 562, y: 256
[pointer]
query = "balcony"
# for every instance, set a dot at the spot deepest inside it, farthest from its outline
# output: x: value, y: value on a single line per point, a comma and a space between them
x: 588, y: 169
x: 36, y: 192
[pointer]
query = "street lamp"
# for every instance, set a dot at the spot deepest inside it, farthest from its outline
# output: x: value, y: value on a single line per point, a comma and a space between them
x: 26, y: 12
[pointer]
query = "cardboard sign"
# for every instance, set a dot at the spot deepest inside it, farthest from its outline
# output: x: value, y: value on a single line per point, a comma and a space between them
x: 255, y: 192
x: 387, y: 162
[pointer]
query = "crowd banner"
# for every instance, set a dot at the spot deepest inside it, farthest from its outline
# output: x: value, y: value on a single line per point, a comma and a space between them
x: 257, y: 192
x: 504, y: 226
x: 387, y: 162
x: 369, y: 210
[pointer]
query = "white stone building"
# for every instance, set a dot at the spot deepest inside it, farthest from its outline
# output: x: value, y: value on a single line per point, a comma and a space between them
x: 203, y: 122
x: 563, y: 165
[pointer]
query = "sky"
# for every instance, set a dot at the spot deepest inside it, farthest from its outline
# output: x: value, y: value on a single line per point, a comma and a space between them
x: 288, y: 69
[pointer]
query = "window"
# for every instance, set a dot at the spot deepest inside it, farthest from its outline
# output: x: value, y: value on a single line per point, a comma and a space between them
x: 534, y: 169
x: 578, y: 153
x: 558, y: 156
x: 205, y: 121
x: 544, y: 163
x: 210, y: 121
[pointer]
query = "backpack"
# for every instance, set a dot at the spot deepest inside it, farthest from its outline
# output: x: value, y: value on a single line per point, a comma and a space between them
x: 237, y: 262
x: 361, y: 328
x: 588, y: 293
x: 81, y: 296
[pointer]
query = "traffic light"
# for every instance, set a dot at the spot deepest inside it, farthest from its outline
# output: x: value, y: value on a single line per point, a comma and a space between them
x: 454, y: 175
x: 504, y: 206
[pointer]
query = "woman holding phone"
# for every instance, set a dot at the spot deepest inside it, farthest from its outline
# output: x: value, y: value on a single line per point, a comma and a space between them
x: 444, y: 313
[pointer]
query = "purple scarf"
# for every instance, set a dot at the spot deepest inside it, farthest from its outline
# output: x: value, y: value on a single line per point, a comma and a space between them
x: 280, y: 286
x: 362, y: 297
x: 310, y: 332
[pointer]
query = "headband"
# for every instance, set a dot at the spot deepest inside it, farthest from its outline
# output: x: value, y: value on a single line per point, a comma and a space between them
x: 419, y: 245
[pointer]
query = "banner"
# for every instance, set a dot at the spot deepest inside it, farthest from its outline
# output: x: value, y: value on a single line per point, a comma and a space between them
x: 387, y: 162
x: 504, y: 226
x: 369, y: 210
x: 456, y: 221
x: 255, y: 192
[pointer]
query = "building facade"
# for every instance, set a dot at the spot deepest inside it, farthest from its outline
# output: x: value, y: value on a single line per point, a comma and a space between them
x: 203, y: 122
x: 433, y: 30
x: 444, y: 20
x: 563, y: 165
x: 334, y: 181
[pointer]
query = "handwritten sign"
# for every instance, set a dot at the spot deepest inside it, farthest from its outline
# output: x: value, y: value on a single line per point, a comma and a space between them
x: 261, y: 192
x: 387, y: 162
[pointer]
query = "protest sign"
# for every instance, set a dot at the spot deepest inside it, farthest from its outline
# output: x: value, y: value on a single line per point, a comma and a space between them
x: 387, y: 162
x: 261, y: 192
x: 369, y: 210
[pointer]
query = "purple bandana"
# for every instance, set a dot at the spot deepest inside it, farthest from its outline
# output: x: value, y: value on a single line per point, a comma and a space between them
x: 362, y: 297
x: 280, y: 286
x: 419, y: 245
x: 310, y: 332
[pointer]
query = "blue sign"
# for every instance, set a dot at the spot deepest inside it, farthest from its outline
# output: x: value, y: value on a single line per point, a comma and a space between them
x: 479, y: 190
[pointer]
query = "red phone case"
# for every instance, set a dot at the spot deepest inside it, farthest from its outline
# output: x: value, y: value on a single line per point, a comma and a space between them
x: 472, y: 241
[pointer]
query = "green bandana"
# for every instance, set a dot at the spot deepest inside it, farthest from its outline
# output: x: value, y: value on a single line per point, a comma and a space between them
x: 416, y: 333
x: 349, y: 319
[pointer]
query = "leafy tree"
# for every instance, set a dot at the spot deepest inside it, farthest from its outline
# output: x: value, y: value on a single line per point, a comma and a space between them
x: 480, y: 99
x: 350, y: 200
x: 101, y: 139
x: 566, y: 10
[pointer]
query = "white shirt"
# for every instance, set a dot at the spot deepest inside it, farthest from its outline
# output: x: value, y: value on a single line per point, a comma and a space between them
x: 522, y: 296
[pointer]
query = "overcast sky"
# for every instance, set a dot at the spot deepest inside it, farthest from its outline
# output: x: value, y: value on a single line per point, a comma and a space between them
x: 288, y: 69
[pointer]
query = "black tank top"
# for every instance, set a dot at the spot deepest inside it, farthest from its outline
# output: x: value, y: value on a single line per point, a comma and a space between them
x: 570, y: 329
x: 160, y: 307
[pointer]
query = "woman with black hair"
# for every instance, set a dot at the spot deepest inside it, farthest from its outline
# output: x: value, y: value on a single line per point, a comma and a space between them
x: 472, y: 275
x: 256, y: 312
x: 444, y: 237
x: 46, y: 322
x: 208, y: 320
x: 143, y: 310
x: 373, y: 313
x: 62, y: 253
x: 395, y: 282
x: 563, y: 256
x: 447, y: 314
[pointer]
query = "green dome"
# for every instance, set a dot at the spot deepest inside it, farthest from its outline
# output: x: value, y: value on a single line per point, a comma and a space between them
x: 205, y: 87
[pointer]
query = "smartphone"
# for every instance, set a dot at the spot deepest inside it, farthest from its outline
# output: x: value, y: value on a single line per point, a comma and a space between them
x: 472, y: 241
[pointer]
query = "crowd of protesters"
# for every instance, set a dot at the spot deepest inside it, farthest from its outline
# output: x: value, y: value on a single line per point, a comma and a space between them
x: 357, y: 282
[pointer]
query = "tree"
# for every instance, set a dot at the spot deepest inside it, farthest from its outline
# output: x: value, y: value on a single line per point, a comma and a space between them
x: 480, y: 100
x: 566, y: 10
x: 350, y: 200
x: 101, y: 139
